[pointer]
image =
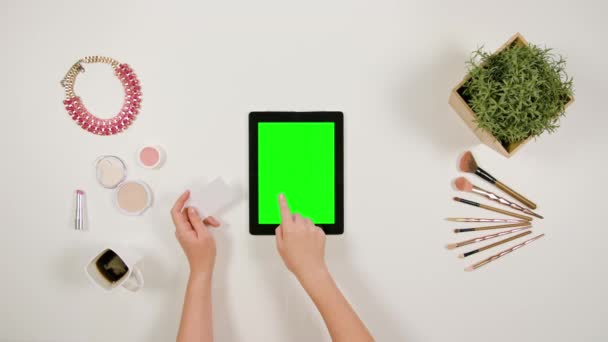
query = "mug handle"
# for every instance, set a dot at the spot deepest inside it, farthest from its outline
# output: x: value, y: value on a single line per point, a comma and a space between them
x: 135, y: 281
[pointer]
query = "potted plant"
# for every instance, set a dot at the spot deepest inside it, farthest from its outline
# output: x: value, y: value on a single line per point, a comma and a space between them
x: 513, y: 95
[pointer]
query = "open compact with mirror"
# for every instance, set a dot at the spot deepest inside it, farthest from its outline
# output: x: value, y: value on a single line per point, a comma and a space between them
x: 131, y: 197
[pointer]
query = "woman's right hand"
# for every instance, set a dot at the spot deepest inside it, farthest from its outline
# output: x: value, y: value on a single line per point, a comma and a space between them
x: 302, y: 247
x: 300, y: 243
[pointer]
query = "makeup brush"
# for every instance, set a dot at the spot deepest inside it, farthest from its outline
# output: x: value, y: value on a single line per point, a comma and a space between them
x: 483, y: 238
x: 491, y: 208
x: 503, y: 253
x: 501, y: 226
x: 468, y: 164
x: 463, y: 184
x: 474, y: 219
x: 497, y: 243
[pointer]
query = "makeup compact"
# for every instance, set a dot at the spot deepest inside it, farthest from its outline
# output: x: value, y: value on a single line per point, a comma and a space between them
x: 110, y: 171
x: 151, y: 157
x: 133, y: 197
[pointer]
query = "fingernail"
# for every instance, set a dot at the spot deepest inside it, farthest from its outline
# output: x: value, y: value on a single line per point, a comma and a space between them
x: 192, y: 210
x: 281, y: 196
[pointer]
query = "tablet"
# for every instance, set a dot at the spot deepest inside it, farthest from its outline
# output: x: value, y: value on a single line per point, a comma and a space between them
x: 301, y: 155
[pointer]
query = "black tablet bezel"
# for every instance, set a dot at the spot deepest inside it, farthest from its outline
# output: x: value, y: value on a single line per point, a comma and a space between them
x: 337, y: 118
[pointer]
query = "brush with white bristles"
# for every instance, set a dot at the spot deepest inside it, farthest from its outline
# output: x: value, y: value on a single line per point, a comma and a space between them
x: 463, y: 184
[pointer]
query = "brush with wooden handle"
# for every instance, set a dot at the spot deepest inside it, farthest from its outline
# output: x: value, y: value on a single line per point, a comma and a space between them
x: 468, y: 164
x: 479, y: 220
x: 483, y: 238
x: 463, y: 184
x: 497, y: 243
x: 491, y: 208
x: 500, y: 226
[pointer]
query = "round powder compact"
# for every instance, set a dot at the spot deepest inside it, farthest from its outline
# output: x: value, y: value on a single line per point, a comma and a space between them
x: 151, y: 157
x: 133, y: 197
x: 111, y: 171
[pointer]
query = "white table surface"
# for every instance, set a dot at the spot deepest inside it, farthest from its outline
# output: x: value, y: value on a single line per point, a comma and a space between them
x: 389, y: 65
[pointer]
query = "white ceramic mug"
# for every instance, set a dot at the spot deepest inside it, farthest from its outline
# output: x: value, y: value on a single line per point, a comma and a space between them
x: 133, y: 280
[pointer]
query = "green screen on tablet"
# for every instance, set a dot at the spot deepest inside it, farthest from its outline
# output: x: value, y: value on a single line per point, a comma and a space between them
x: 296, y: 159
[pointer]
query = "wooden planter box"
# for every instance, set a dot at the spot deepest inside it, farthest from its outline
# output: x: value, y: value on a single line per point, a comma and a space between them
x: 468, y: 116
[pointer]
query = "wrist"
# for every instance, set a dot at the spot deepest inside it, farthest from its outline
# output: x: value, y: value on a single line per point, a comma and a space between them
x: 200, y: 276
x: 313, y: 275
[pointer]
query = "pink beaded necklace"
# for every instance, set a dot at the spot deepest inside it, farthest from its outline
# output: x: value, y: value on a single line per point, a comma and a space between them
x: 90, y: 122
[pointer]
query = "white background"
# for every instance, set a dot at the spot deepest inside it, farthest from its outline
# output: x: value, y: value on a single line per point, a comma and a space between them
x: 389, y: 65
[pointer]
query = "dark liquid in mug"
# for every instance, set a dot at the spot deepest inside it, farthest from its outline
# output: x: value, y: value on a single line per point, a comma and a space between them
x: 111, y: 266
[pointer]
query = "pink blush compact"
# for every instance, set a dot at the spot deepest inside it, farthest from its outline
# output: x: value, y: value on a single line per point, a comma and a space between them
x: 151, y: 157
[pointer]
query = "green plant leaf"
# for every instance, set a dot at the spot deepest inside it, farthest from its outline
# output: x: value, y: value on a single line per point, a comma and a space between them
x: 517, y: 93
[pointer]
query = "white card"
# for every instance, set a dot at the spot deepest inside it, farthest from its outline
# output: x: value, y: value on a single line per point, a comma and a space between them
x: 213, y: 198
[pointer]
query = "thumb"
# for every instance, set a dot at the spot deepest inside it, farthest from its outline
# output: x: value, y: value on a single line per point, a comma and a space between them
x: 196, y: 221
